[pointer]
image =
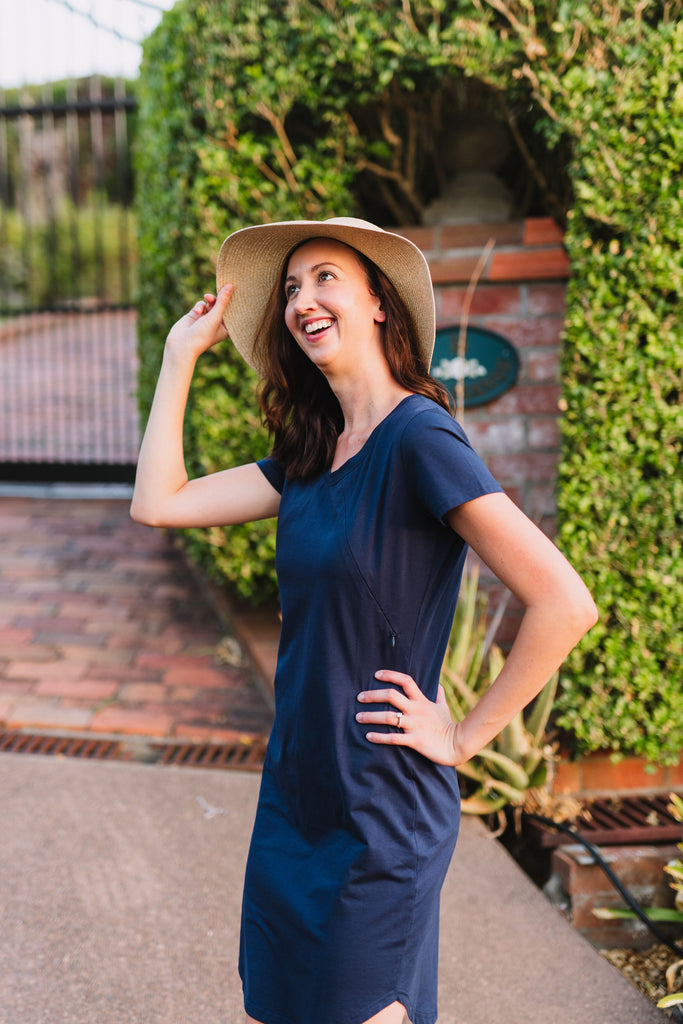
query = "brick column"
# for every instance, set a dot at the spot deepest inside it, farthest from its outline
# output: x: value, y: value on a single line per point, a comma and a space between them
x: 520, y: 295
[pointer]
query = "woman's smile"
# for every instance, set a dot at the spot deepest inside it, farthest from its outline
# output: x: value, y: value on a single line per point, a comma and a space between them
x: 316, y: 327
x: 331, y: 312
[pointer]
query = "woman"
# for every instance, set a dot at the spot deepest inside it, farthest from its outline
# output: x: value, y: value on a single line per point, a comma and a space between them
x: 378, y: 495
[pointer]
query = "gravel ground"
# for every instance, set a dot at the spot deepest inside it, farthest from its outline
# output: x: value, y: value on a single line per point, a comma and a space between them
x: 645, y: 968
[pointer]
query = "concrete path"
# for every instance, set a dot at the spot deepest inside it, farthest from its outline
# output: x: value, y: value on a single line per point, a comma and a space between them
x: 121, y: 893
x: 121, y: 883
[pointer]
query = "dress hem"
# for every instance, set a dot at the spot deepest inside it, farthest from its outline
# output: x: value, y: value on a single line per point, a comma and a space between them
x: 264, y: 1017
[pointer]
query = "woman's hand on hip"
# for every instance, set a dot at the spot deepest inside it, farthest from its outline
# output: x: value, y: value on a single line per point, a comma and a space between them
x: 424, y: 725
x: 202, y: 327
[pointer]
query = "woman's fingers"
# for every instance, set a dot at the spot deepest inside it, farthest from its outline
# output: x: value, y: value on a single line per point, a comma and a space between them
x: 395, y: 697
x: 420, y: 723
x: 380, y: 718
x: 216, y: 304
x: 221, y: 300
x: 202, y: 326
x: 410, y: 687
x: 399, y: 701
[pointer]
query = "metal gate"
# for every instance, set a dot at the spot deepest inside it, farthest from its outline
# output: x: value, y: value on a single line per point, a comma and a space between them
x: 68, y: 359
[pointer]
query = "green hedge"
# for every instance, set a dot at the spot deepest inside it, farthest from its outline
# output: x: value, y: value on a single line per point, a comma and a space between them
x: 621, y: 483
x: 308, y: 108
x: 254, y: 111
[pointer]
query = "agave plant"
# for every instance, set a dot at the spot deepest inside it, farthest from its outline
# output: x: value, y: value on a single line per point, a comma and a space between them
x: 516, y: 761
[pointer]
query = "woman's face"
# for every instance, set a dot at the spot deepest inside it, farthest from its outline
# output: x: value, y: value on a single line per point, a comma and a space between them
x: 331, y: 312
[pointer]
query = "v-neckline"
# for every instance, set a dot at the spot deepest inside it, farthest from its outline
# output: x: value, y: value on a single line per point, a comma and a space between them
x: 353, y: 460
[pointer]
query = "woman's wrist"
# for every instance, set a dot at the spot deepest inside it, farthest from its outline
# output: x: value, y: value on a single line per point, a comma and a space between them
x: 464, y: 745
x: 459, y: 756
x: 179, y: 357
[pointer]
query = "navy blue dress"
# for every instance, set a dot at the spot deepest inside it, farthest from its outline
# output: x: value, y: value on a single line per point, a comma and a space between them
x: 352, y: 839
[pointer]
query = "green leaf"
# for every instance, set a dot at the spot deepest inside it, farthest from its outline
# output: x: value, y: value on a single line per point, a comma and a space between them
x: 666, y: 914
x: 673, y: 999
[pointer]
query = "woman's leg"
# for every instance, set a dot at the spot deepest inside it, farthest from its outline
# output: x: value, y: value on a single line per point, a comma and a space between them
x: 394, y: 1014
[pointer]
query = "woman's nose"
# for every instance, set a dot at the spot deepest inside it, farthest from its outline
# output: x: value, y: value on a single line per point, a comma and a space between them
x: 305, y: 298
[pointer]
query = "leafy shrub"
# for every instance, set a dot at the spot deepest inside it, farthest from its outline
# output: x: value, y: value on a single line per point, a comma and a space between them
x: 620, y: 483
x: 268, y: 109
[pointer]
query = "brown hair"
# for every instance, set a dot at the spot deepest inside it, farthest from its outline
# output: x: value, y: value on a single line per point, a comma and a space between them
x: 299, y: 407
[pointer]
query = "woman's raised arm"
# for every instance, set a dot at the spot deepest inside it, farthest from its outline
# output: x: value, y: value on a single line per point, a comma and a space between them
x: 163, y: 495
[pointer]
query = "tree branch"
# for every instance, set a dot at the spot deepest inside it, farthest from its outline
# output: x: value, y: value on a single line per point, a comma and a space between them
x: 551, y: 197
x: 391, y: 175
x: 278, y: 125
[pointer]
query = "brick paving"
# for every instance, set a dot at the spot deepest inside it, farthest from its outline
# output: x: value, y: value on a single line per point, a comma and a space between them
x: 104, y: 630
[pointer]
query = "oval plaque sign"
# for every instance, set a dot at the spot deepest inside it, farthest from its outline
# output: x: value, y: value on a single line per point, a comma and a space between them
x: 489, y: 368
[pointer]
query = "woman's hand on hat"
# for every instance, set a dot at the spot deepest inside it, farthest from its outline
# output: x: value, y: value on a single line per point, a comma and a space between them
x: 422, y: 724
x: 202, y: 326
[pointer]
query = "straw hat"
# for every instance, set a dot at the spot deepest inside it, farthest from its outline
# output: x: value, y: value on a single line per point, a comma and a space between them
x: 251, y: 259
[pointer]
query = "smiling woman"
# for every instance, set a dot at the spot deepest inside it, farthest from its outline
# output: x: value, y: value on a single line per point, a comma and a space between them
x: 331, y: 312
x: 378, y: 494
x: 300, y: 407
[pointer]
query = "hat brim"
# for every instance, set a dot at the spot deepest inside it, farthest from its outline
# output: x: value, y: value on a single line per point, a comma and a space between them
x: 251, y: 260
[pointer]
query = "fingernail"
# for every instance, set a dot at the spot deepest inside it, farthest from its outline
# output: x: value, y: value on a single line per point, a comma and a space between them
x: 361, y: 696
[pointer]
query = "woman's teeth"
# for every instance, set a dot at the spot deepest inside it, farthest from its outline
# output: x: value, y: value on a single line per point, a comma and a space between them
x: 317, y: 325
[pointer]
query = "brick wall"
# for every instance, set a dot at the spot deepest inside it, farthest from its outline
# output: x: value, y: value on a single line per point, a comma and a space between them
x: 579, y: 886
x: 521, y: 295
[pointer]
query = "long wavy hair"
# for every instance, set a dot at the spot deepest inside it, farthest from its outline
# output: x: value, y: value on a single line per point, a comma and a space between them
x: 298, y: 405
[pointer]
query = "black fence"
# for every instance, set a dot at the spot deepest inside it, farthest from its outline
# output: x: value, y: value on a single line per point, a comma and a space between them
x: 67, y: 282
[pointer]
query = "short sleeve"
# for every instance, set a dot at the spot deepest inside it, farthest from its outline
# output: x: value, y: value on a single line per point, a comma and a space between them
x: 441, y: 464
x: 273, y: 471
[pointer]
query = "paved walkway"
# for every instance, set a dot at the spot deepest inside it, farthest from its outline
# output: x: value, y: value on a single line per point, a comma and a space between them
x: 102, y: 629
x: 122, y: 882
x: 121, y: 901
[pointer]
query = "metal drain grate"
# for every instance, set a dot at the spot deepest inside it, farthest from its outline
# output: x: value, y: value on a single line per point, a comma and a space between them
x: 618, y: 822
x: 246, y: 753
x: 60, y: 746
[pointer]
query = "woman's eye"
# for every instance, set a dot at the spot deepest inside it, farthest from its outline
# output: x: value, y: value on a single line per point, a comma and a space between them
x: 290, y: 290
x: 325, y: 275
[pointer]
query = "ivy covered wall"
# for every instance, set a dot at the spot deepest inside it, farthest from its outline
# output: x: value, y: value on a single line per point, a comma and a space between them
x: 253, y: 111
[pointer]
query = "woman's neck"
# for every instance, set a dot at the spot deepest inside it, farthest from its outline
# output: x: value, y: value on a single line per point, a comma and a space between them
x: 365, y: 403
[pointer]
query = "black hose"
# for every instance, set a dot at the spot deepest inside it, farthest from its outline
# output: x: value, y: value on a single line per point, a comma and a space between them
x: 621, y: 889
